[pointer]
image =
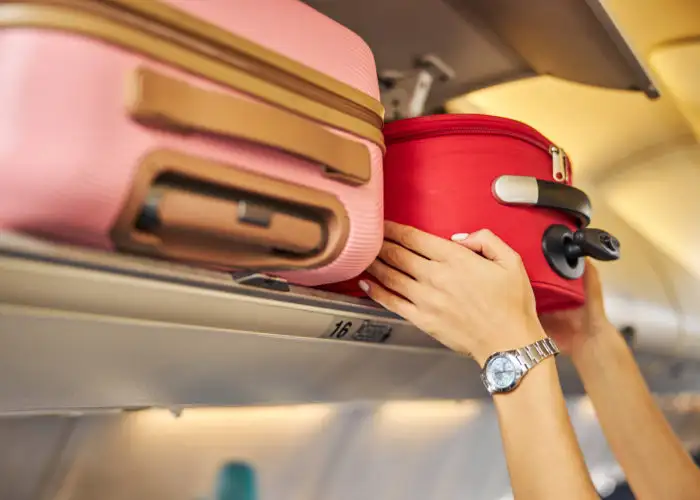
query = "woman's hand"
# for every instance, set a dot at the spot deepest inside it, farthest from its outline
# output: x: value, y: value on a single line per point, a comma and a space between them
x: 617, y: 389
x: 573, y: 328
x: 473, y: 295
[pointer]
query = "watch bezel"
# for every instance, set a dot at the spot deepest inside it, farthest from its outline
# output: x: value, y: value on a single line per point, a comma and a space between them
x: 520, y: 370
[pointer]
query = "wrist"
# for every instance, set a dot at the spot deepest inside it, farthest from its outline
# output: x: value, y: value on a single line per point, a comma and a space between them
x: 604, y: 337
x: 509, y: 340
x: 542, y: 380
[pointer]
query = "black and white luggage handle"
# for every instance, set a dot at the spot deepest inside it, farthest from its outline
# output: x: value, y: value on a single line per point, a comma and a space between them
x: 564, y: 249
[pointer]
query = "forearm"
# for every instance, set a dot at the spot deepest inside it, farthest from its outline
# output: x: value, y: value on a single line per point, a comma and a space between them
x: 652, y: 457
x: 543, y: 456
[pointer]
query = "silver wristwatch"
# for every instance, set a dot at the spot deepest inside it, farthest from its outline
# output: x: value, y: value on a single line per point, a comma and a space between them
x: 503, y: 371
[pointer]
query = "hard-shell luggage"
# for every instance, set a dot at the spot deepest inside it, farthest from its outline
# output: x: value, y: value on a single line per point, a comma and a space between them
x: 450, y: 174
x: 236, y: 134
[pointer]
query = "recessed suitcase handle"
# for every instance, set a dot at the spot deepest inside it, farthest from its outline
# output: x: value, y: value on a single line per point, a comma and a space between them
x: 192, y: 209
x: 176, y: 213
x: 163, y: 102
x: 530, y: 191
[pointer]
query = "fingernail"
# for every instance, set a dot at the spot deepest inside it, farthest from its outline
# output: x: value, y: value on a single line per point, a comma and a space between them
x: 459, y: 236
x: 364, y: 286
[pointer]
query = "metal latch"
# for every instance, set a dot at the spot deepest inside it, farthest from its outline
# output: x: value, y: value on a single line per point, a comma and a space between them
x: 404, y: 94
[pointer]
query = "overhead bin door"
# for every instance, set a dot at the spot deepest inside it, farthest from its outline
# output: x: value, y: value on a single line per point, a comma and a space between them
x: 489, y: 41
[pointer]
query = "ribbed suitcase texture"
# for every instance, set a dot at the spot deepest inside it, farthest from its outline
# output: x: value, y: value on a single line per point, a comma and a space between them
x: 69, y: 149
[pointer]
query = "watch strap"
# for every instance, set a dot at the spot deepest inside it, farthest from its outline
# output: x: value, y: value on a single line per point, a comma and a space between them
x: 537, y: 352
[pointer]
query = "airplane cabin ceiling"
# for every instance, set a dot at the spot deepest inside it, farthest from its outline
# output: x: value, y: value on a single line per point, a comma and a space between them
x: 641, y: 155
x: 678, y: 66
x: 646, y: 24
x: 667, y: 36
x: 658, y: 196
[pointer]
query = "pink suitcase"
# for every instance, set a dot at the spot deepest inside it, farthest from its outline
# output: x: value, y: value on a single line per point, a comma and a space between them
x: 236, y: 134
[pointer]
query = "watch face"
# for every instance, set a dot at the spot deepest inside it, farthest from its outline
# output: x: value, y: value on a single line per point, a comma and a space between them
x: 501, y: 372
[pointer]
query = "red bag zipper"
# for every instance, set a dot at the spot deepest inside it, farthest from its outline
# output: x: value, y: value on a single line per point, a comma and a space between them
x: 419, y: 128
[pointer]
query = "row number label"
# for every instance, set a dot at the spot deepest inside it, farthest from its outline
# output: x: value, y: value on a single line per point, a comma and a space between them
x: 358, y: 330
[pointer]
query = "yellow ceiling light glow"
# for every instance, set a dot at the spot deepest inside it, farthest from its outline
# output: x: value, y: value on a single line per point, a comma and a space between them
x: 217, y: 418
x: 647, y: 23
x: 428, y: 412
x: 657, y: 196
x: 678, y: 65
x: 597, y: 127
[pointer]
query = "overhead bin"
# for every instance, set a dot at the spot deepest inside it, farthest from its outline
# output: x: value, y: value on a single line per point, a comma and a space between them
x: 678, y: 65
x: 471, y: 44
x: 91, y: 330
x: 569, y: 39
x: 83, y: 330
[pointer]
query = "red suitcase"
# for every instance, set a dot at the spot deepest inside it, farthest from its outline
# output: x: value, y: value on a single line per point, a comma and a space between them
x: 451, y: 174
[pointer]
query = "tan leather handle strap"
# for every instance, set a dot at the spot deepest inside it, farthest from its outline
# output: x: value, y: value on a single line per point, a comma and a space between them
x: 162, y: 101
x: 188, y: 214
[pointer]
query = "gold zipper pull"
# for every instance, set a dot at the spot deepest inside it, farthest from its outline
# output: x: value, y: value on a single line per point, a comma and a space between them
x: 558, y: 164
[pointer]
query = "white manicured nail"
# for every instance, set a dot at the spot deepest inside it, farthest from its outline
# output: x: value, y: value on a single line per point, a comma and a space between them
x: 364, y: 286
x: 459, y: 236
